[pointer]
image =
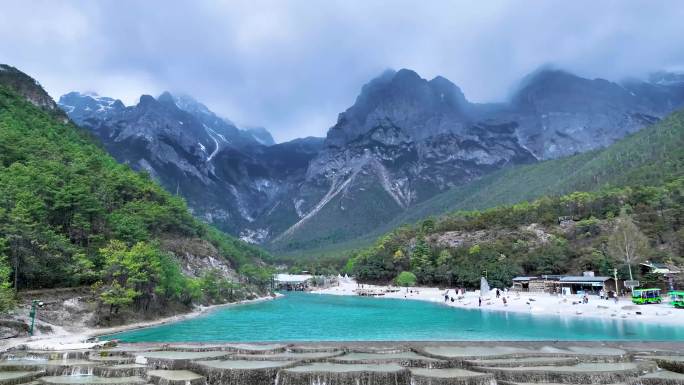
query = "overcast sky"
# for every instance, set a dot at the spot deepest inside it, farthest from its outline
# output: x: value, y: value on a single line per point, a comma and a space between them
x: 292, y: 66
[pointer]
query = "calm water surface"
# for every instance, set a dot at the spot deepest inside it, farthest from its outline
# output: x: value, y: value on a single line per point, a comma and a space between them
x: 314, y: 317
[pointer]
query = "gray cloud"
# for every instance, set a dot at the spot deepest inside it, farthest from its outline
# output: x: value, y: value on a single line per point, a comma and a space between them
x: 292, y: 66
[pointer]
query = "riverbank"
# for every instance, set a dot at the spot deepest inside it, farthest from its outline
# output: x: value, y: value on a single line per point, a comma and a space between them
x: 63, y: 339
x: 531, y: 303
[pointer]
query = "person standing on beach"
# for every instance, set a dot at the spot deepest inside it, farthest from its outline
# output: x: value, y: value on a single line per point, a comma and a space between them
x: 479, y: 302
x: 498, y: 293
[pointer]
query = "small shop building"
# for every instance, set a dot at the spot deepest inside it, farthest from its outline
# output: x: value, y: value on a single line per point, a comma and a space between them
x: 587, y: 284
x: 540, y: 284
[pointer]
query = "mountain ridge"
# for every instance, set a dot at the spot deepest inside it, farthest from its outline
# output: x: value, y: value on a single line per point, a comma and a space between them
x: 404, y: 140
x: 651, y: 156
x: 547, y: 118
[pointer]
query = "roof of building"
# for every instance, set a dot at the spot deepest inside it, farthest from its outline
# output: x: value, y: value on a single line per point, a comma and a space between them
x: 583, y: 279
x: 518, y: 279
x: 551, y: 277
x: 662, y: 268
x: 537, y: 278
x: 292, y: 278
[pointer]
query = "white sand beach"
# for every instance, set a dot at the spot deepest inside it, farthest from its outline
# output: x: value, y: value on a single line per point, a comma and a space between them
x: 536, y: 303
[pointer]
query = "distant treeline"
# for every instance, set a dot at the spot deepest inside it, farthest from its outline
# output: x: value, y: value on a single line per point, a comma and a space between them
x: 506, y: 246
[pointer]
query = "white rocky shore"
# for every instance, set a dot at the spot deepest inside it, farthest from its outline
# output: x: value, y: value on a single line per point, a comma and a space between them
x: 535, y: 303
x: 80, y: 337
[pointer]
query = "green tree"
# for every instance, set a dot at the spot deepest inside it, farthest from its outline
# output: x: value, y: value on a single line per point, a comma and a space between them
x: 133, y: 272
x: 421, y: 261
x: 217, y: 288
x: 117, y: 296
x: 406, y: 279
x: 259, y: 276
x: 627, y: 242
x: 7, y: 298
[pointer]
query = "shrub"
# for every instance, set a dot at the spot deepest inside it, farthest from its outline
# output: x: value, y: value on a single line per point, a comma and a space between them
x: 405, y: 279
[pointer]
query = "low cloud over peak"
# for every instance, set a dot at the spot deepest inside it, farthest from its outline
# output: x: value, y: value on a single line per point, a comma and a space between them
x: 292, y: 66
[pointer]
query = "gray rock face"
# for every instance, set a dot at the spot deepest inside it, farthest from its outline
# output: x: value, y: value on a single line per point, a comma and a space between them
x: 404, y: 140
x: 227, y: 176
x: 407, y: 138
x: 560, y: 114
x: 402, y: 99
x: 261, y: 135
x: 30, y: 89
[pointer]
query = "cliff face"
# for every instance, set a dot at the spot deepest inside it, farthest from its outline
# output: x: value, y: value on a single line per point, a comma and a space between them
x: 30, y: 89
x: 228, y: 175
x: 560, y: 114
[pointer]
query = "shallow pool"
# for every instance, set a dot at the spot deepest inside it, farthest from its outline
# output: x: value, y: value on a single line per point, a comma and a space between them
x: 314, y: 317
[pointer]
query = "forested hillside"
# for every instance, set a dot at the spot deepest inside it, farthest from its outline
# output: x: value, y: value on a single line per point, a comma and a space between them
x: 552, y: 235
x: 70, y: 215
x: 637, y: 182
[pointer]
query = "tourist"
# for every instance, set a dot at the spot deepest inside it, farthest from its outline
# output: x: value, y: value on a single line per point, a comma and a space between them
x: 504, y: 301
x: 479, y: 302
x: 602, y: 294
x: 452, y: 299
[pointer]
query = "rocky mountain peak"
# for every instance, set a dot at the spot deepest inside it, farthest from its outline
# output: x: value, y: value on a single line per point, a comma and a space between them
x: 552, y: 90
x: 188, y: 103
x: 81, y: 106
x: 147, y: 101
x: 402, y: 99
x: 407, y: 86
x: 167, y: 99
x: 561, y: 114
x: 667, y: 78
x: 261, y: 135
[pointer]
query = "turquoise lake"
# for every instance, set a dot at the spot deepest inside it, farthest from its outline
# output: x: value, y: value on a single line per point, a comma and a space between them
x: 313, y: 317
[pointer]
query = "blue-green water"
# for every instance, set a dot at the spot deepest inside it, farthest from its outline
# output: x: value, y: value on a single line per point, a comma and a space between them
x: 313, y: 317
